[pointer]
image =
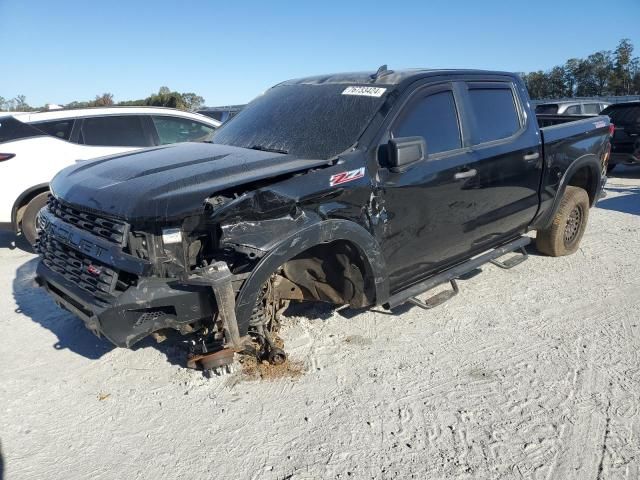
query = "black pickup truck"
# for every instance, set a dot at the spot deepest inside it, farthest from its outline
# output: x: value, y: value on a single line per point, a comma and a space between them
x: 356, y: 189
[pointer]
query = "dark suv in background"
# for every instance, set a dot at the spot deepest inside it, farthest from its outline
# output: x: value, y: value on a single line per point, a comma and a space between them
x: 625, y: 144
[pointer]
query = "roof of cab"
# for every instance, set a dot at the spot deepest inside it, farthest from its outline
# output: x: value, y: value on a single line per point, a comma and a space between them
x: 388, y: 77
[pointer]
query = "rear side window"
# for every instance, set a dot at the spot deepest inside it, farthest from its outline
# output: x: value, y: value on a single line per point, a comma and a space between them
x: 573, y: 110
x: 494, y: 112
x: 12, y: 129
x: 56, y: 128
x: 175, y: 130
x: 547, y: 109
x: 115, y: 131
x: 435, y: 118
x: 591, y: 108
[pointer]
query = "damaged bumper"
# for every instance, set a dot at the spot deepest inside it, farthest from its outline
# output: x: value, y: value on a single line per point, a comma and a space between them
x: 151, y: 305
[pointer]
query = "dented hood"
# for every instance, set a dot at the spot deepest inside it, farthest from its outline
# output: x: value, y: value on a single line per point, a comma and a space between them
x: 167, y: 183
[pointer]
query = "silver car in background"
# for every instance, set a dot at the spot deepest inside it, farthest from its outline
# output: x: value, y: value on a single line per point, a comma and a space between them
x: 571, y: 107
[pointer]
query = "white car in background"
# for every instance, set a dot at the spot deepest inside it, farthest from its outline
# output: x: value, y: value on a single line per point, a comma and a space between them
x: 35, y: 146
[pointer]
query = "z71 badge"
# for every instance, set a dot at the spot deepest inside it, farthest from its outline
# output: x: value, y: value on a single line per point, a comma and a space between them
x: 344, y: 177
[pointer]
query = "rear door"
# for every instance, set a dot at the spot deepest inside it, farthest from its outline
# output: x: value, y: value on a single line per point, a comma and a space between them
x: 506, y: 143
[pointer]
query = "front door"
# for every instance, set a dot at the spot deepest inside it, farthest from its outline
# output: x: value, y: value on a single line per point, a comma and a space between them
x: 428, y: 215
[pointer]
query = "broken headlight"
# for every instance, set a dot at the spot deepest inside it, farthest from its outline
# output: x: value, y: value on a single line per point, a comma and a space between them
x: 171, y: 236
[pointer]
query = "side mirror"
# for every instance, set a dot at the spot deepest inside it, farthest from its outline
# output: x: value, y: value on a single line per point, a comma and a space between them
x: 405, y: 151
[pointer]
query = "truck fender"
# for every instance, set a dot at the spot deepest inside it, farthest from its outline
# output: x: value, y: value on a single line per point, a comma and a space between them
x: 316, y: 234
x: 590, y: 161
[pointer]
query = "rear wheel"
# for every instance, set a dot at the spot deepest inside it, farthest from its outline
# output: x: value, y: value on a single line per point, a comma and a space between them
x: 564, y: 235
x: 28, y: 224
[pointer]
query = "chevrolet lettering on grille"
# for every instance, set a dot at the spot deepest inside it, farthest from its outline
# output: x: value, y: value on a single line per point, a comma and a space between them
x: 70, y: 238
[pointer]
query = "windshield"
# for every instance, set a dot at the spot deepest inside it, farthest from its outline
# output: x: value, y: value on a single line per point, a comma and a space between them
x: 309, y: 121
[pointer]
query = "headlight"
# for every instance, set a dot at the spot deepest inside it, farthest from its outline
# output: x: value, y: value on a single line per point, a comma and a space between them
x: 171, y: 236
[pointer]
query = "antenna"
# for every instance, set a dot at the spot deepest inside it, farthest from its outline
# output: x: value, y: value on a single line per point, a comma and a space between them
x: 381, y: 71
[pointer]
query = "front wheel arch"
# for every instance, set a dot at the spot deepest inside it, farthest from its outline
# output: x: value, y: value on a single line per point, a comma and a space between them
x: 321, y: 233
x: 22, y: 201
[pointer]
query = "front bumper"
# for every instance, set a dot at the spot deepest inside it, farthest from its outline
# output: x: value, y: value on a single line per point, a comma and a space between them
x: 152, y: 305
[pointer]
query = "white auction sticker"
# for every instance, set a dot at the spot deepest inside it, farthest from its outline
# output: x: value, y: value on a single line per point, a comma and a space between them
x: 364, y: 91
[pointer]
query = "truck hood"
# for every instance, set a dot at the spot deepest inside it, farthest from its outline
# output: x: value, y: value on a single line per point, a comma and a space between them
x: 167, y: 182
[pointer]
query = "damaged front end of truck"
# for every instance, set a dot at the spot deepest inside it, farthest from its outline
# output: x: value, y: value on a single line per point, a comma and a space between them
x: 221, y: 275
x: 214, y: 239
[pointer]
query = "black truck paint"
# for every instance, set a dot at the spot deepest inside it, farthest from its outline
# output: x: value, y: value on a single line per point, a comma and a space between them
x: 319, y: 198
x: 625, y: 144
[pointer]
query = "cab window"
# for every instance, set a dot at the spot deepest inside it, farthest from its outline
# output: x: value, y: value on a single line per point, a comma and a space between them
x: 494, y: 112
x: 433, y: 117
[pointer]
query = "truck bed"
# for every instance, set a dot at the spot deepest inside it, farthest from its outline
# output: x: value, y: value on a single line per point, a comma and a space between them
x: 562, y: 127
x: 566, y: 140
x: 548, y: 120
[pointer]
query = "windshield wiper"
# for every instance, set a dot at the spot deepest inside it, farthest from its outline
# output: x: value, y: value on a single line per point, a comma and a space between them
x: 267, y: 149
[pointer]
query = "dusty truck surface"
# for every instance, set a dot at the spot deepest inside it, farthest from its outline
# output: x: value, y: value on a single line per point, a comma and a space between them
x: 356, y: 189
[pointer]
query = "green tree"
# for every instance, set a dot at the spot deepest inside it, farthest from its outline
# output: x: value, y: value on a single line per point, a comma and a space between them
x: 601, y: 65
x: 621, y: 77
x: 571, y: 68
x: 635, y: 76
x: 192, y: 101
x: 76, y: 104
x: 537, y: 84
x: 556, y: 85
x: 587, y: 85
x: 20, y: 104
x: 104, y: 100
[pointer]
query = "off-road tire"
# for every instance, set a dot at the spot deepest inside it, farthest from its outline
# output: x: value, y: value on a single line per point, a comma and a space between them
x: 28, y: 224
x: 563, y: 236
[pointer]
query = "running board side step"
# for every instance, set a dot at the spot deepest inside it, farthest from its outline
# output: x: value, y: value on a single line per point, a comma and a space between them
x: 450, y: 275
x: 512, y: 261
x: 437, y: 299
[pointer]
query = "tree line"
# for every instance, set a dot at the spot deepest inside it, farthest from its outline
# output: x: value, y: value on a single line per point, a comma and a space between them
x: 605, y: 72
x: 164, y: 98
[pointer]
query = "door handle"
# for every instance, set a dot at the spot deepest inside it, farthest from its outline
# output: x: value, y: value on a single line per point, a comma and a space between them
x: 466, y: 174
x: 531, y: 156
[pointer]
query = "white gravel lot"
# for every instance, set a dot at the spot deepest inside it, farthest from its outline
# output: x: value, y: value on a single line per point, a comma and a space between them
x: 527, y: 373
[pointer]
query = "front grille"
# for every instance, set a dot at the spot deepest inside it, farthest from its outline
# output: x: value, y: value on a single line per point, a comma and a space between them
x: 90, y: 275
x: 112, y: 230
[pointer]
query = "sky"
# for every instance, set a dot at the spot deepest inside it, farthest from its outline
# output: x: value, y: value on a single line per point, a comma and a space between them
x: 230, y: 52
